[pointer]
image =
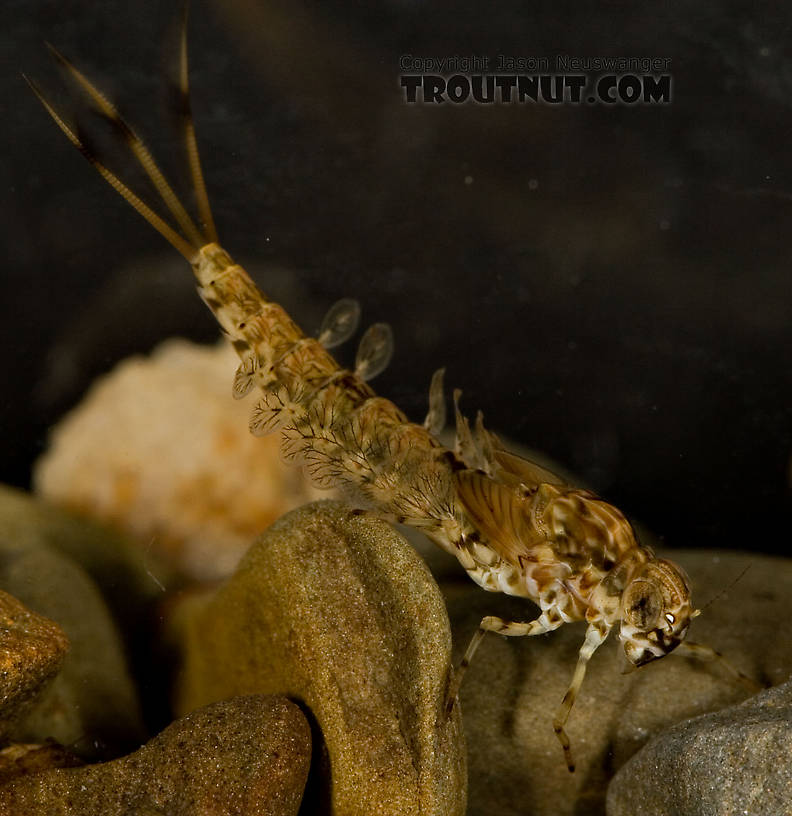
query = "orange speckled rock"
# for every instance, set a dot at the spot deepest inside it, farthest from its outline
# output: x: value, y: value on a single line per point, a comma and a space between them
x: 248, y: 756
x: 340, y: 612
x: 32, y: 649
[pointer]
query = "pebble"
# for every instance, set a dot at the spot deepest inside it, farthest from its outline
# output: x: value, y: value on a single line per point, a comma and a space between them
x: 338, y: 611
x: 247, y: 756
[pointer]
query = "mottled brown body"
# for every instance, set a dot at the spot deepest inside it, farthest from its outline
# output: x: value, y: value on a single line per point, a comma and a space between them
x: 332, y: 421
x: 514, y: 526
x: 547, y: 542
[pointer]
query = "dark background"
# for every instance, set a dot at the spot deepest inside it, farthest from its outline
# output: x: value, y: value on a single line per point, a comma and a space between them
x: 613, y: 287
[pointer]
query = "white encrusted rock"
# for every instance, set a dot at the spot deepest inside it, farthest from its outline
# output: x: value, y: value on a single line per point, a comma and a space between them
x: 159, y: 448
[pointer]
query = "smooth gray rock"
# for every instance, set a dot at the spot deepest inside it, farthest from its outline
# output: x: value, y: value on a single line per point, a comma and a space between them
x: 129, y: 579
x: 728, y: 763
x: 92, y: 704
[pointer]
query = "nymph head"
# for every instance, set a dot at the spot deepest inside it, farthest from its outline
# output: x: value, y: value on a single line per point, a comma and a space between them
x: 656, y: 611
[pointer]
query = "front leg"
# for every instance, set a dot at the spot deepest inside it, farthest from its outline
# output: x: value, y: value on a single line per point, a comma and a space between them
x: 503, y: 627
x: 704, y: 653
x: 595, y: 637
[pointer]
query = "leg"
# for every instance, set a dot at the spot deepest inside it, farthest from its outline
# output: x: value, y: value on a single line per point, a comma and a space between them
x: 707, y: 654
x: 595, y: 637
x: 502, y: 627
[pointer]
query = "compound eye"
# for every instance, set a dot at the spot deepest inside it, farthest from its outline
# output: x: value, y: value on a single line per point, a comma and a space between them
x: 643, y: 604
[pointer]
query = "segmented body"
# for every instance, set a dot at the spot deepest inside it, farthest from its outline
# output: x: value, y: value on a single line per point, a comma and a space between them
x: 332, y: 421
x: 514, y: 526
x: 544, y: 541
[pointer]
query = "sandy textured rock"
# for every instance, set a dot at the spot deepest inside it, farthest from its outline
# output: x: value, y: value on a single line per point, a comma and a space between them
x: 248, y: 756
x: 32, y: 649
x: 514, y: 685
x: 92, y: 703
x: 728, y: 763
x: 338, y: 611
x: 23, y: 758
x: 160, y: 448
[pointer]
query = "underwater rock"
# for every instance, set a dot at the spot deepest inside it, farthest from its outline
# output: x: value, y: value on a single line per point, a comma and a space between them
x: 130, y: 580
x: 338, y: 611
x: 159, y: 448
x: 514, y: 685
x: 32, y: 649
x: 241, y: 757
x: 30, y: 758
x: 727, y: 763
x: 91, y: 704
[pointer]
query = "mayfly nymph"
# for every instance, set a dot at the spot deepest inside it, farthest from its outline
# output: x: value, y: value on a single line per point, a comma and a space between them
x: 514, y: 526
